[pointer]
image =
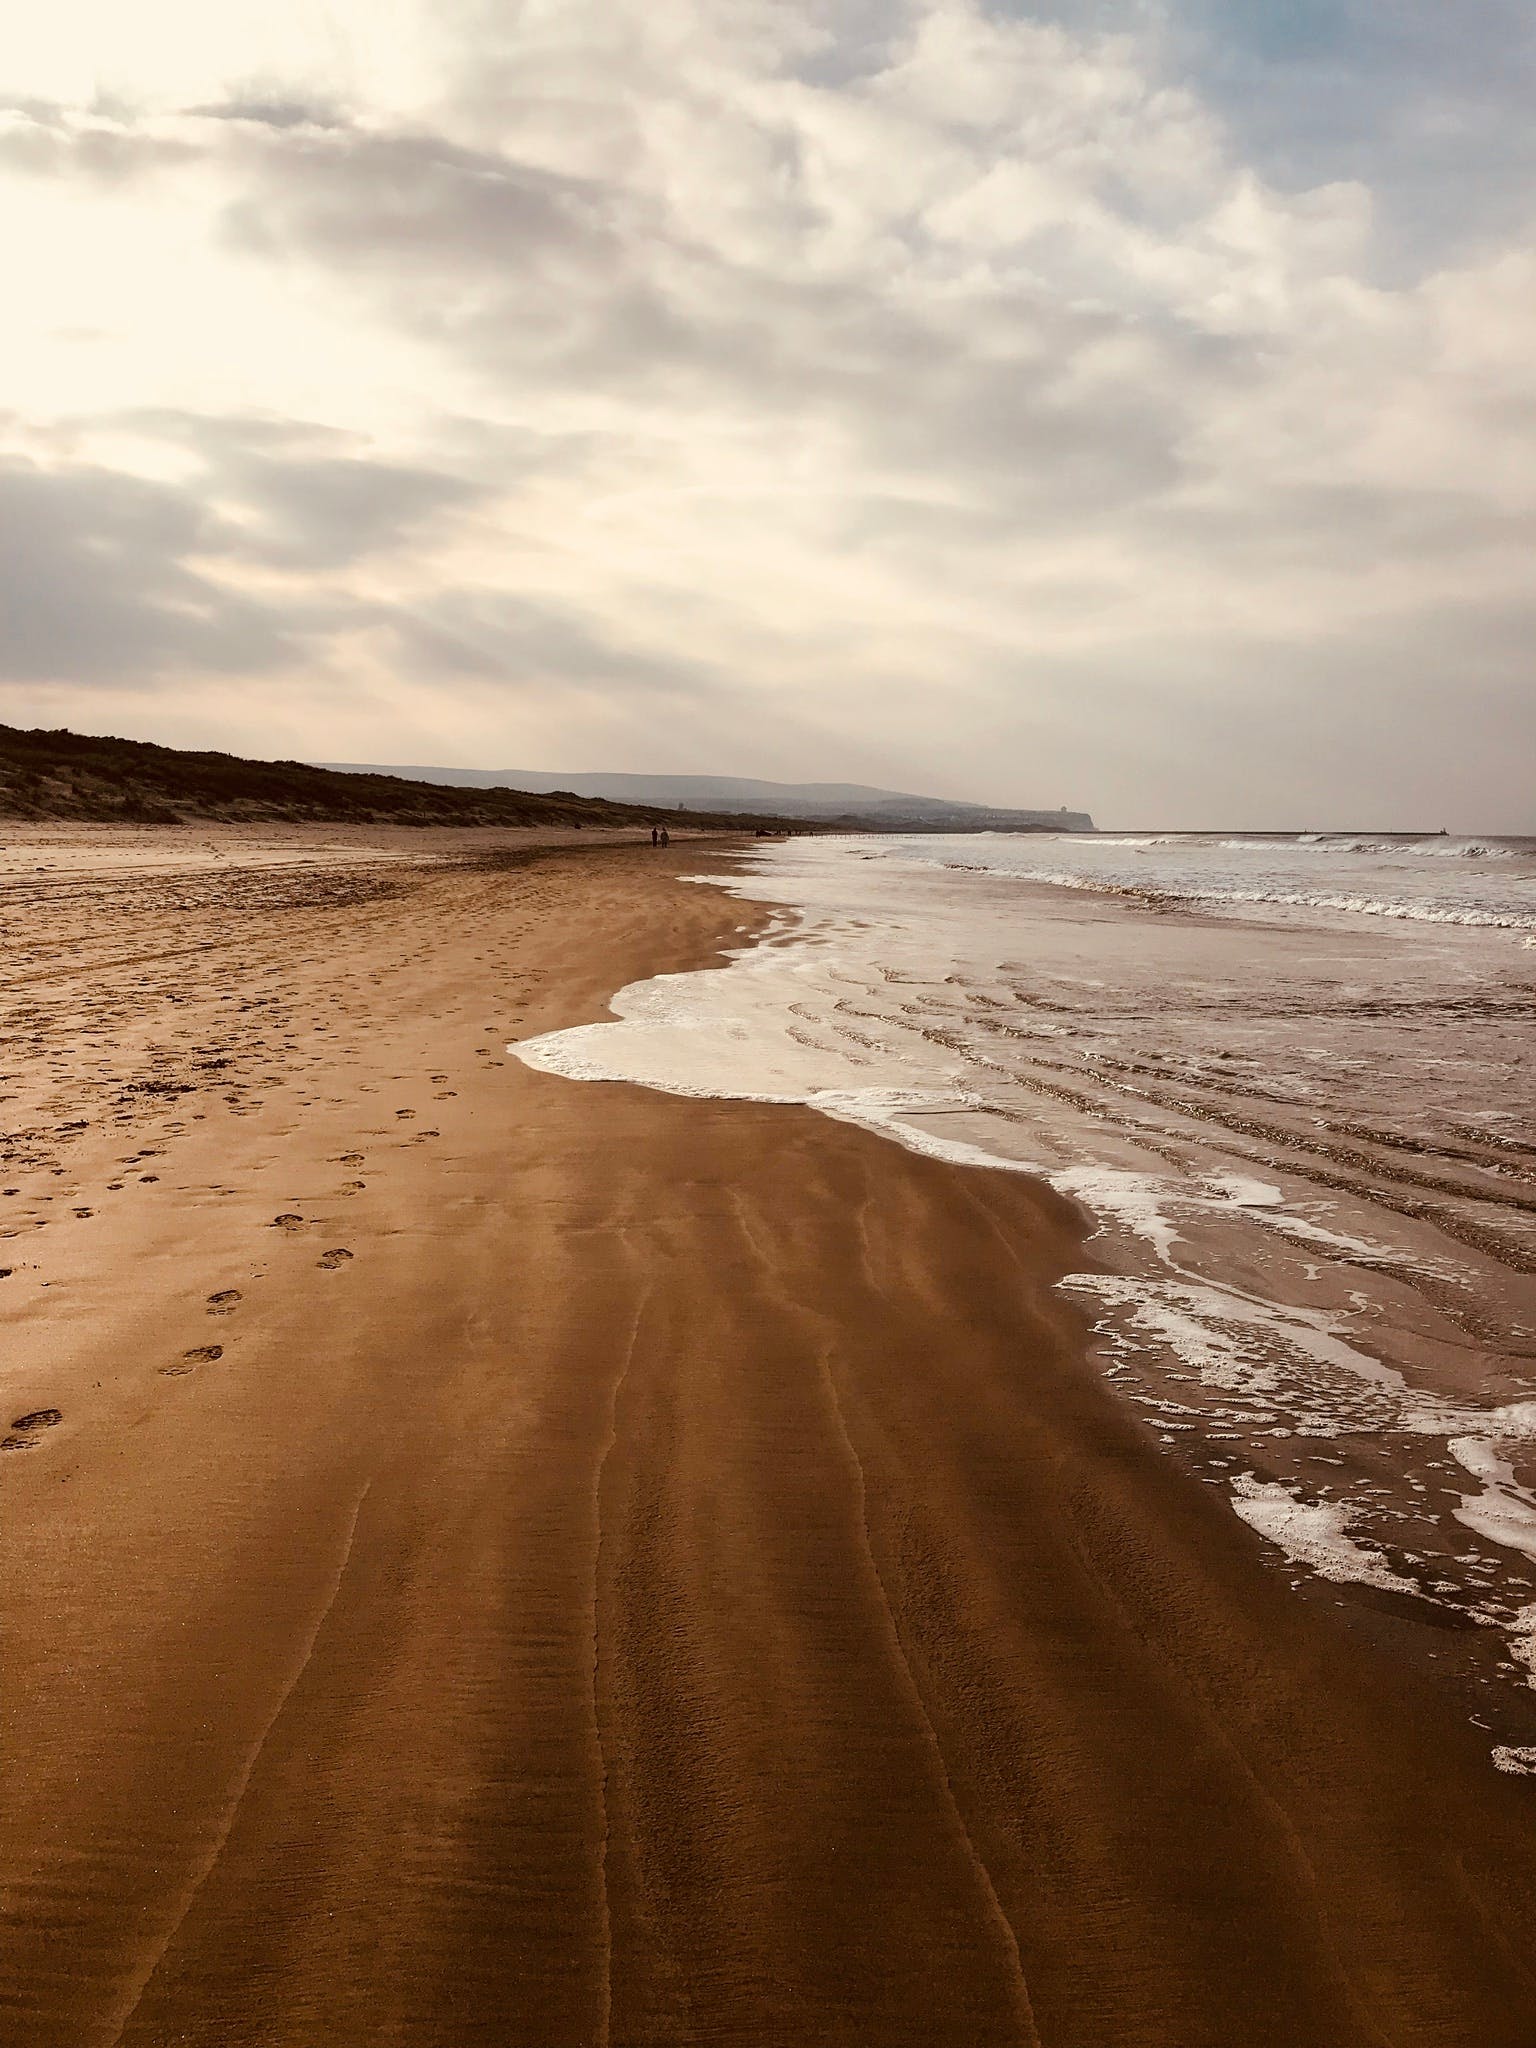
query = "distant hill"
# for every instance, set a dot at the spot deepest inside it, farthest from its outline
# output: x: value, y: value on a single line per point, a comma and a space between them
x: 46, y: 775
x: 825, y: 803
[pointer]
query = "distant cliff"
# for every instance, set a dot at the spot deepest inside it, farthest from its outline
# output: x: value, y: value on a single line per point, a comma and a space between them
x: 822, y: 803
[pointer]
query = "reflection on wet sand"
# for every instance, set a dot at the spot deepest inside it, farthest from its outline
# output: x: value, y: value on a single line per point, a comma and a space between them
x: 1303, y: 1133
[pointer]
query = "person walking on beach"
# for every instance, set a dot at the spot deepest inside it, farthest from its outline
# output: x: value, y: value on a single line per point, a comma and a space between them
x: 665, y: 840
x: 655, y: 835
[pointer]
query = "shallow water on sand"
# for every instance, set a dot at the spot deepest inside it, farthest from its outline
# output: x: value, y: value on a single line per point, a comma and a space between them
x: 1291, y: 1082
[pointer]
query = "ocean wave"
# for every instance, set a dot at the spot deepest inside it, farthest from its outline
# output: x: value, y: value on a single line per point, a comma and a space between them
x: 1382, y: 906
x: 1483, y: 917
x: 1476, y: 849
x: 1256, y: 845
x: 1436, y: 848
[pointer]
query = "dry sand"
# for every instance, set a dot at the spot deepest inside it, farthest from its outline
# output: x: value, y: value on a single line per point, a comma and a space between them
x: 535, y: 1563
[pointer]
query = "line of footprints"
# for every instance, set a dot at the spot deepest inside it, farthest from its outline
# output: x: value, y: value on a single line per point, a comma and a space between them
x: 228, y: 1299
x: 26, y: 1430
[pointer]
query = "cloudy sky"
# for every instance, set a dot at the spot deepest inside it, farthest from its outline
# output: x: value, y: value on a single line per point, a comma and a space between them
x: 1124, y: 405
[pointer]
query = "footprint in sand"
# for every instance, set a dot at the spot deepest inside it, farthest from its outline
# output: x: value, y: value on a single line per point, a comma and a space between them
x: 200, y: 1354
x: 353, y: 1187
x: 331, y: 1260
x: 25, y: 1428
x: 287, y: 1221
x: 223, y: 1302
x: 350, y: 1159
x: 406, y: 1113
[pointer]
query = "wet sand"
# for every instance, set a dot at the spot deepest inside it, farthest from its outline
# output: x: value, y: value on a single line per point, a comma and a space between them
x: 542, y: 1563
x: 1302, y: 1137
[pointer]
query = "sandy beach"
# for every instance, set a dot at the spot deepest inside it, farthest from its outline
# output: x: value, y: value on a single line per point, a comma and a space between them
x: 498, y: 1559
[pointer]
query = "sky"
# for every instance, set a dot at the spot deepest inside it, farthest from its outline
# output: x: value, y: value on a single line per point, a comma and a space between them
x: 1123, y: 405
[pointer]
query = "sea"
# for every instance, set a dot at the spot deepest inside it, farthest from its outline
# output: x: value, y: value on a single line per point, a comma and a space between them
x: 1290, y: 1079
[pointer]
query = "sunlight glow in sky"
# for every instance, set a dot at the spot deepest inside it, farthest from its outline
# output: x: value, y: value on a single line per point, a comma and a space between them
x: 1117, y: 405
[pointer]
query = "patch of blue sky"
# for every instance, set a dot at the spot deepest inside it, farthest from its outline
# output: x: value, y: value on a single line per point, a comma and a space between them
x: 1426, y: 105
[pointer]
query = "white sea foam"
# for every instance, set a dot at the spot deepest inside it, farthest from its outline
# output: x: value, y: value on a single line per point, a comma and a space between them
x: 1365, y: 1249
x: 1469, y: 850
x: 1220, y: 1350
x: 1314, y: 1534
x: 1522, y: 1639
x: 1246, y: 1192
x: 1374, y: 878
x: 1486, y: 917
x: 1229, y: 1320
x: 932, y: 992
x: 1436, y: 847
x: 1504, y: 1512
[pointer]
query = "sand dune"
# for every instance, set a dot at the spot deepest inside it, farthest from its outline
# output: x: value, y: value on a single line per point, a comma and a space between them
x: 539, y: 1563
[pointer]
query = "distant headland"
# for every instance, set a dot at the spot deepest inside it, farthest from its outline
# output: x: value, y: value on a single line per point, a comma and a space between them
x: 821, y: 803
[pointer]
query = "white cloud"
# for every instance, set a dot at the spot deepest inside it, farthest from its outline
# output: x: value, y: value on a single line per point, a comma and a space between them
x: 940, y: 392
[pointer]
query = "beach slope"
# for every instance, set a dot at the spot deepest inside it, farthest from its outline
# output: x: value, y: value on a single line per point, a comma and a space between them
x: 495, y: 1559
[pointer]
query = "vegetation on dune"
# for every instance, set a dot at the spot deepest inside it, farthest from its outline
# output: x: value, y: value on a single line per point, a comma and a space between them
x: 61, y: 774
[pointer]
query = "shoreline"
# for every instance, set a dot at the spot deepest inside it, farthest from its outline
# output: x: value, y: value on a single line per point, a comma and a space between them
x: 678, y: 1577
x: 1315, y: 1287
